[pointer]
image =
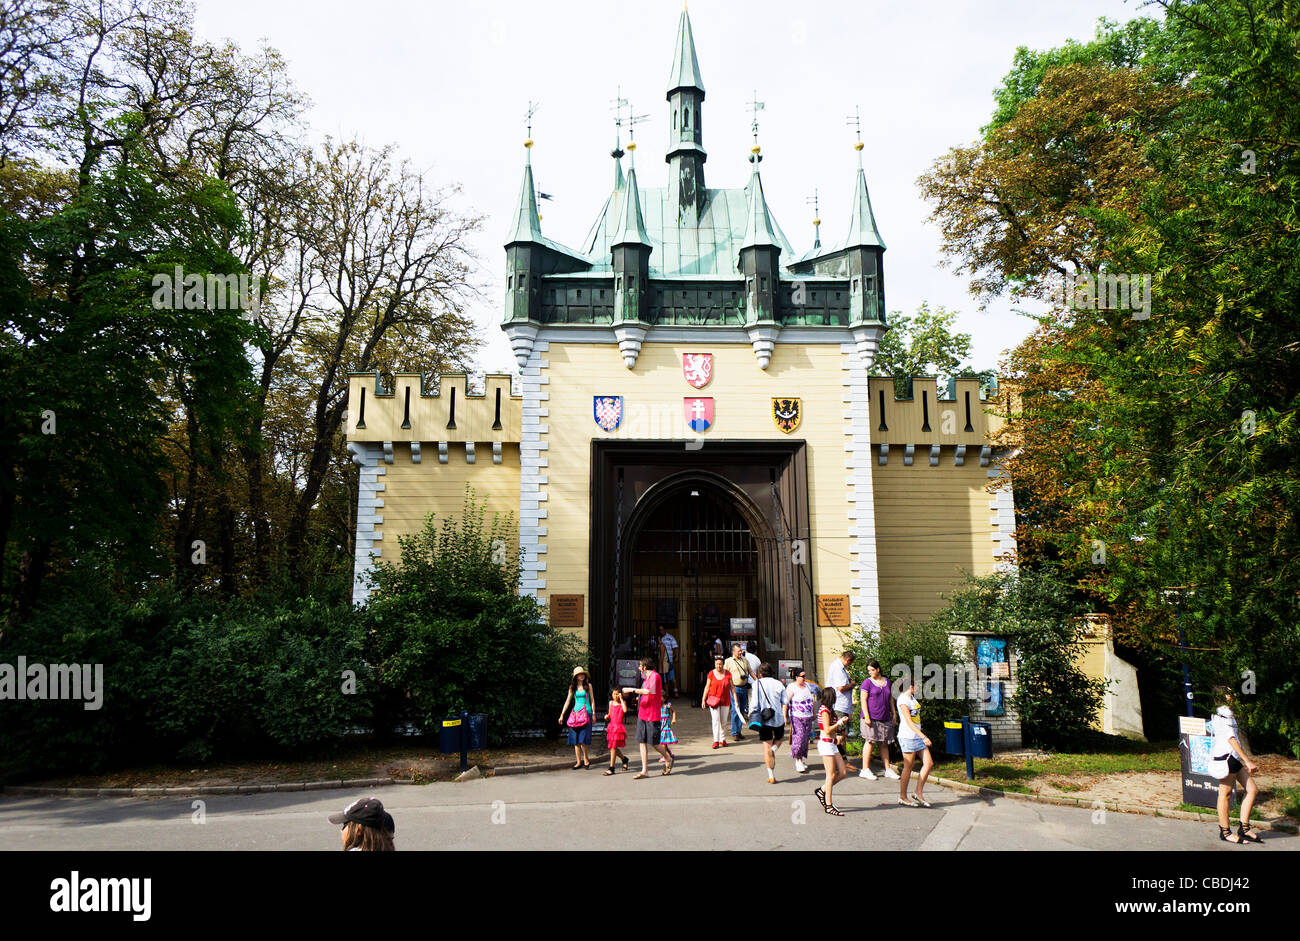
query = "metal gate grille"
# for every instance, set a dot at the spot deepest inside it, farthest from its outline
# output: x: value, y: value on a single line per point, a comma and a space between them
x: 694, y: 566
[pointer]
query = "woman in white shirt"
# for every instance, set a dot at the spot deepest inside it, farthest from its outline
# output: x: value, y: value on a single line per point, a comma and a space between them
x: 1229, y: 757
x: 912, y: 740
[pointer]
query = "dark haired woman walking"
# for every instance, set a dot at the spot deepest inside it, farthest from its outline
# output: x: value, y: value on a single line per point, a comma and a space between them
x: 583, y: 701
x: 832, y: 760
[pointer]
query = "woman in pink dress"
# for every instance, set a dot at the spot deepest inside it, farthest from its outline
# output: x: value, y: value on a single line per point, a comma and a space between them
x: 615, y: 734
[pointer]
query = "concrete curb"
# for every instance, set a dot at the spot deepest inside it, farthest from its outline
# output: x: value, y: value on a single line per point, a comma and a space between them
x: 1282, y: 825
x: 200, y: 791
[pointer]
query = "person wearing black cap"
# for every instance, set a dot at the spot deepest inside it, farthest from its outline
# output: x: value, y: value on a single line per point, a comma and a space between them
x: 366, y: 826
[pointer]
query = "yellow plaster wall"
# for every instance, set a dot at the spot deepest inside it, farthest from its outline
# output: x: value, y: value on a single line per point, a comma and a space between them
x: 411, y: 491
x: 653, y: 394
x: 932, y: 523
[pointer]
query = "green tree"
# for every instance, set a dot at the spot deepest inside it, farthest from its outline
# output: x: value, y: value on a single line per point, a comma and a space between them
x: 1156, y: 450
x: 448, y: 630
x: 924, y: 344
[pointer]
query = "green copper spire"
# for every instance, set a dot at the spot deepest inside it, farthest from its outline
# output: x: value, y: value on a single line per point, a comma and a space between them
x: 527, y: 226
x: 686, y: 68
x: 631, y: 226
x: 862, y: 223
x: 758, y: 230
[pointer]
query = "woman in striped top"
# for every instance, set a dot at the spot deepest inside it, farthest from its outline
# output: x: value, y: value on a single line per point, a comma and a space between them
x: 827, y: 727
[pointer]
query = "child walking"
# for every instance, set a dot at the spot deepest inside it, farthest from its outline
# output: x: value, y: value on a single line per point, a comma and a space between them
x: 667, y: 716
x: 615, y: 734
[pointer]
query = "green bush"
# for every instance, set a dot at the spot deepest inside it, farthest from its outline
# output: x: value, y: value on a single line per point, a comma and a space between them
x: 184, y: 678
x: 896, y: 650
x: 448, y: 631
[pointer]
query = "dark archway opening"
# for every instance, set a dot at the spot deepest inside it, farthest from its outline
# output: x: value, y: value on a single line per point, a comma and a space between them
x: 661, y: 555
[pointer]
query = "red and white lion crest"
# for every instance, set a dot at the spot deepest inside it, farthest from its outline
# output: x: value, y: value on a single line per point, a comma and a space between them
x: 697, y: 368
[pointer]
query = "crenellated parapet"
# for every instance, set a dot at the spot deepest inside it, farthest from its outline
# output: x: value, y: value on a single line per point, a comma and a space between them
x: 408, y: 412
x: 965, y: 422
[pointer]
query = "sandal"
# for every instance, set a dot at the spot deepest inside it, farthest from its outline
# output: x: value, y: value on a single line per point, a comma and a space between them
x: 1225, y: 832
x: 821, y: 796
x: 1243, y: 832
x: 640, y: 775
x: 586, y: 764
x: 668, y: 769
x: 833, y: 810
x: 919, y: 801
x: 577, y: 765
x: 903, y: 803
x: 609, y: 772
x: 624, y: 764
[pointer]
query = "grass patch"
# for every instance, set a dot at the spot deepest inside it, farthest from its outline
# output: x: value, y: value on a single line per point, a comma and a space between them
x: 1233, y: 813
x: 1290, y: 798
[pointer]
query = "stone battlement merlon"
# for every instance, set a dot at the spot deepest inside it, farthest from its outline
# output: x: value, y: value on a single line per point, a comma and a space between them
x: 968, y: 419
x: 407, y: 412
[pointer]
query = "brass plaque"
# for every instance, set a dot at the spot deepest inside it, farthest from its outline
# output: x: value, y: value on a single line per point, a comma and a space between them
x: 833, y: 611
x: 566, y: 610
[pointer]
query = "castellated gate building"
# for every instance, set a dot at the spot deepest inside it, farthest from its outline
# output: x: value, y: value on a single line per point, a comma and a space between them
x: 698, y: 442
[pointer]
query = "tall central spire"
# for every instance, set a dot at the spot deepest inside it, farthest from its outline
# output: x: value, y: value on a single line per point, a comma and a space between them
x: 686, y: 154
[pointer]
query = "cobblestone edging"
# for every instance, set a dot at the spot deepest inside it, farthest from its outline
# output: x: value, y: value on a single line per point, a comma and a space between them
x: 202, y: 790
x: 1282, y: 825
x: 205, y: 790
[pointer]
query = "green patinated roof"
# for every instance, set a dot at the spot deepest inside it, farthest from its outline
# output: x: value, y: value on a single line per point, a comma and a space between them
x: 527, y: 227
x: 631, y: 227
x: 862, y: 221
x: 758, y: 227
x: 527, y: 224
x: 711, y: 247
x: 686, y: 68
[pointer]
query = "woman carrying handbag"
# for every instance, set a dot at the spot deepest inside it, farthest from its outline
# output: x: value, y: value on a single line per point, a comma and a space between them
x: 717, y: 699
x: 583, y: 701
x: 767, y: 717
x: 1230, y: 764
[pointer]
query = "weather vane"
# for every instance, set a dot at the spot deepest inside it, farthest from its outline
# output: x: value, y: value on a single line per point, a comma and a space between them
x: 632, y: 121
x: 855, y: 119
x: 619, y: 103
x: 532, y: 110
x: 817, y: 218
x: 755, y: 106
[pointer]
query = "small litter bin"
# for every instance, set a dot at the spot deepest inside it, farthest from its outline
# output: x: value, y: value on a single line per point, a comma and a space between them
x: 952, y: 739
x: 981, y: 734
x: 449, y: 735
x: 478, y: 731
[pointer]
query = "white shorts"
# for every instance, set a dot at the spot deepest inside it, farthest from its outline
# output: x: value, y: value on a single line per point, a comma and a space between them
x: 827, y: 748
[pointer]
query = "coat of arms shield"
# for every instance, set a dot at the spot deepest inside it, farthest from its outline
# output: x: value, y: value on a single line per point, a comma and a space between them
x: 787, y: 413
x: 697, y: 368
x: 699, y: 413
x: 608, y: 410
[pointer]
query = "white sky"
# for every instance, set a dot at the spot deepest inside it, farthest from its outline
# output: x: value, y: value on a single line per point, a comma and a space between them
x: 448, y: 83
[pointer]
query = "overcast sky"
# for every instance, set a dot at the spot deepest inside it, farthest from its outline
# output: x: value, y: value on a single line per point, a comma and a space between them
x: 449, y: 83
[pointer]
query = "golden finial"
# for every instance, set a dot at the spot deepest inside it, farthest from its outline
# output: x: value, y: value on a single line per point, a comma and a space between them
x: 631, y: 146
x: 817, y: 222
x: 858, y: 146
x: 755, y: 149
x: 529, y: 142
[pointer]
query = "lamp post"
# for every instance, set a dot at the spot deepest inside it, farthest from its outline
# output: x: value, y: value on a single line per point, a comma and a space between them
x: 1176, y: 594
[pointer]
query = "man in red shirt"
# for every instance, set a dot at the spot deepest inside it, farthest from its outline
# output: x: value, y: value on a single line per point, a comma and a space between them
x: 648, y: 714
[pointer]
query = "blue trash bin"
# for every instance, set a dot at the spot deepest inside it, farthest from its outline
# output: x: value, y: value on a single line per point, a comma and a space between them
x: 981, y: 734
x: 478, y: 731
x: 449, y: 735
x: 953, y: 742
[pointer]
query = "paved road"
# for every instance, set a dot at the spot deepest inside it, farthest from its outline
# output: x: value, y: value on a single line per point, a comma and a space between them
x: 716, y: 799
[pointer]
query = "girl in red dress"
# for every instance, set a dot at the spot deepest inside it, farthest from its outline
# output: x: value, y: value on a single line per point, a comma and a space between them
x: 615, y: 734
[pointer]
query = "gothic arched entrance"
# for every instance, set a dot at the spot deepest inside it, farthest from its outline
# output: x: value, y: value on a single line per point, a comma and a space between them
x: 691, y: 540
